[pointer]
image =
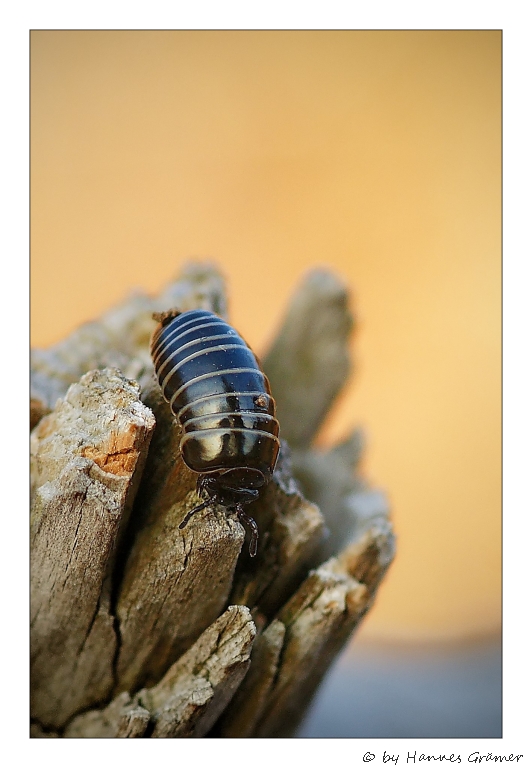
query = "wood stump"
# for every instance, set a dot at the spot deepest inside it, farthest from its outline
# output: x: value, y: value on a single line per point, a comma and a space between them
x: 142, y: 629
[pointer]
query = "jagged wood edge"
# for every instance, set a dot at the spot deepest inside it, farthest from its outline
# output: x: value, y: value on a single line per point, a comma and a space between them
x: 241, y: 716
x: 380, y: 514
x: 291, y: 530
x: 175, y: 582
x: 294, y: 652
x: 190, y: 697
x: 87, y: 456
x: 120, y: 337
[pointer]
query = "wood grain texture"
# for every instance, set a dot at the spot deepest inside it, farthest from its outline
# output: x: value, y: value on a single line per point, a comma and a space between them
x: 87, y: 457
x: 141, y: 629
x: 291, y: 529
x: 308, y: 362
x: 242, y: 715
x: 318, y: 620
x: 191, y: 695
x: 165, y: 600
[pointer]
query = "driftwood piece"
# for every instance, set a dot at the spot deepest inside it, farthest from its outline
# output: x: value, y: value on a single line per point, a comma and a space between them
x: 190, y: 697
x: 87, y: 457
x: 163, y: 654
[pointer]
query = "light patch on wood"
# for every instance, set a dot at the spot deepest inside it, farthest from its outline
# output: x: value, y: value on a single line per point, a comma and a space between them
x: 118, y: 456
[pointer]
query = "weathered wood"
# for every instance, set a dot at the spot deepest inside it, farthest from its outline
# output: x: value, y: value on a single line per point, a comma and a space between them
x: 291, y: 530
x: 126, y: 618
x: 195, y: 691
x: 318, y: 620
x: 38, y: 732
x: 165, y: 599
x: 241, y: 716
x: 87, y: 456
x: 124, y: 716
x: 133, y: 723
x: 308, y: 362
x: 349, y: 505
x: 190, y: 697
x: 294, y: 652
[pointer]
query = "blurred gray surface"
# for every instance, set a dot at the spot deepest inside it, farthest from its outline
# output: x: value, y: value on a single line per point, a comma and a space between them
x: 417, y: 692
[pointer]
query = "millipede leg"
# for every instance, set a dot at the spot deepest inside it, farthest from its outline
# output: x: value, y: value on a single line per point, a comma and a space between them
x: 192, y: 511
x: 252, y: 525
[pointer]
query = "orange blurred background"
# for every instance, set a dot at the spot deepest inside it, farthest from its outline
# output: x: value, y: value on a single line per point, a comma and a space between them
x: 376, y: 154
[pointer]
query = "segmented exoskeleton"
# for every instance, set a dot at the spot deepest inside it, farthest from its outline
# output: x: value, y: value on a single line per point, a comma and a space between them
x: 222, y: 399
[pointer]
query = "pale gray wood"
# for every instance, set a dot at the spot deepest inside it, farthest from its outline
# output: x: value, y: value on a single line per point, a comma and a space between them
x: 133, y: 723
x: 175, y: 583
x: 197, y: 688
x: 123, y: 718
x: 86, y: 459
x: 192, y: 694
x: 332, y: 480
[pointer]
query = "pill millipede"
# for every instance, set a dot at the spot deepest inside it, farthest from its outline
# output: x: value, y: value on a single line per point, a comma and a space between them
x: 222, y: 399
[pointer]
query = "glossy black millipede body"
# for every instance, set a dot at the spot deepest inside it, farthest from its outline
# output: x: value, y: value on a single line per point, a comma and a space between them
x: 222, y: 399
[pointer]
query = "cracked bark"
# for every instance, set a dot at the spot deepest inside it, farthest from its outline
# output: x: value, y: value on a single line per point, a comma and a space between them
x: 140, y: 629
